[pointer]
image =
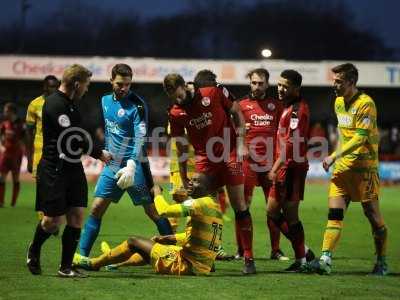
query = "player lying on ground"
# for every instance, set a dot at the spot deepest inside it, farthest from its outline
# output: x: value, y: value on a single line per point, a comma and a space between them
x: 201, y: 240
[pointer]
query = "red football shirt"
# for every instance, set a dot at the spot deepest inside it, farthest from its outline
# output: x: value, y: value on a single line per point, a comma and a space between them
x: 205, y: 119
x: 12, y: 134
x: 262, y: 119
x: 293, y: 132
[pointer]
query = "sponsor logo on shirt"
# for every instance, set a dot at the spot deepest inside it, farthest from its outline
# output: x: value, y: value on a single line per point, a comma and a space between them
x: 263, y: 120
x: 203, y: 121
x: 112, y: 127
x: 344, y: 120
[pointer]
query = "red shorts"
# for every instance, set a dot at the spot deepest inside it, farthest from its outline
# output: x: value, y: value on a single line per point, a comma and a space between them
x: 255, y: 175
x: 290, y: 183
x: 10, y: 163
x: 227, y: 172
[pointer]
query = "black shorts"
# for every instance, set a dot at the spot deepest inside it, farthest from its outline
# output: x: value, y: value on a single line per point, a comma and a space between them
x: 60, y: 188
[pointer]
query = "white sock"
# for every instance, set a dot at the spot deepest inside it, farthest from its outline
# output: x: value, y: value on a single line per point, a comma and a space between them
x: 326, y: 259
x: 301, y: 260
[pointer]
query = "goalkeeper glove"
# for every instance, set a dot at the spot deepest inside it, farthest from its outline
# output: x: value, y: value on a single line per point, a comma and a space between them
x: 126, y: 174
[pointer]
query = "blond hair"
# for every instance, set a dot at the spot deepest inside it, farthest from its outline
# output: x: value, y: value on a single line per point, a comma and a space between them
x: 75, y: 73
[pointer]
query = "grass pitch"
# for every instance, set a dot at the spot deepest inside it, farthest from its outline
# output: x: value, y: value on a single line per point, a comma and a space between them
x: 353, y: 259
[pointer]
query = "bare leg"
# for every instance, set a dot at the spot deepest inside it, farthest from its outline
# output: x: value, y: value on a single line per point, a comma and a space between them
x: 142, y: 246
x: 379, y: 230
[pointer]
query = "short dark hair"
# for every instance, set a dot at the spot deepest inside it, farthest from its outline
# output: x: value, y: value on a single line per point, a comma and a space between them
x: 50, y: 77
x: 121, y: 69
x: 349, y: 70
x: 172, y: 81
x: 260, y: 72
x: 205, y: 78
x: 293, y: 76
x: 11, y: 106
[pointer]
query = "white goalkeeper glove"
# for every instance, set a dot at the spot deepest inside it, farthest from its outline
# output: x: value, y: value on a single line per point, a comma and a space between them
x: 126, y: 174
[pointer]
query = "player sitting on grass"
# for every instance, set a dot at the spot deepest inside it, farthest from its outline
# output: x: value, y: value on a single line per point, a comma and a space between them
x: 179, y: 196
x: 177, y: 186
x: 196, y: 256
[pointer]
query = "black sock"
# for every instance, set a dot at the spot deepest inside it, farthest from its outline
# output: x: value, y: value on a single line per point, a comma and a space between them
x: 39, y: 238
x: 70, y: 240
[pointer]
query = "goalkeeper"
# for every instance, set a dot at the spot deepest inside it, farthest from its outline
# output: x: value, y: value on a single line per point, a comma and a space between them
x: 125, y: 118
x: 200, y: 242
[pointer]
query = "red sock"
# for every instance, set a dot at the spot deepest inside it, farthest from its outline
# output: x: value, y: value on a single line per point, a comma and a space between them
x: 274, y: 234
x: 15, y: 193
x: 296, y: 234
x: 221, y: 199
x: 2, y: 191
x: 245, y: 224
x: 238, y: 239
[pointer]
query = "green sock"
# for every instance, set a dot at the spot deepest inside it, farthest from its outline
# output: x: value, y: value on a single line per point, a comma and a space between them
x: 381, y: 259
x: 327, y: 253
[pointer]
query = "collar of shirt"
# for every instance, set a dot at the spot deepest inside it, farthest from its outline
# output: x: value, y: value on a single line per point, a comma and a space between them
x: 64, y: 96
x: 352, y: 100
x: 293, y: 101
x: 126, y: 97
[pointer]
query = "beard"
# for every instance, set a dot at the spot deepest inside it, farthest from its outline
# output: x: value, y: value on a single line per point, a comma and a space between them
x: 258, y: 93
x: 120, y: 94
x: 338, y: 92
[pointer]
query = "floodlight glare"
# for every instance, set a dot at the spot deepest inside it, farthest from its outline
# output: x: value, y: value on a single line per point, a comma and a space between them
x: 266, y: 53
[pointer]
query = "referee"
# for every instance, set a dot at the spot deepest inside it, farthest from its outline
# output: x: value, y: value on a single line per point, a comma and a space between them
x: 61, y: 183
